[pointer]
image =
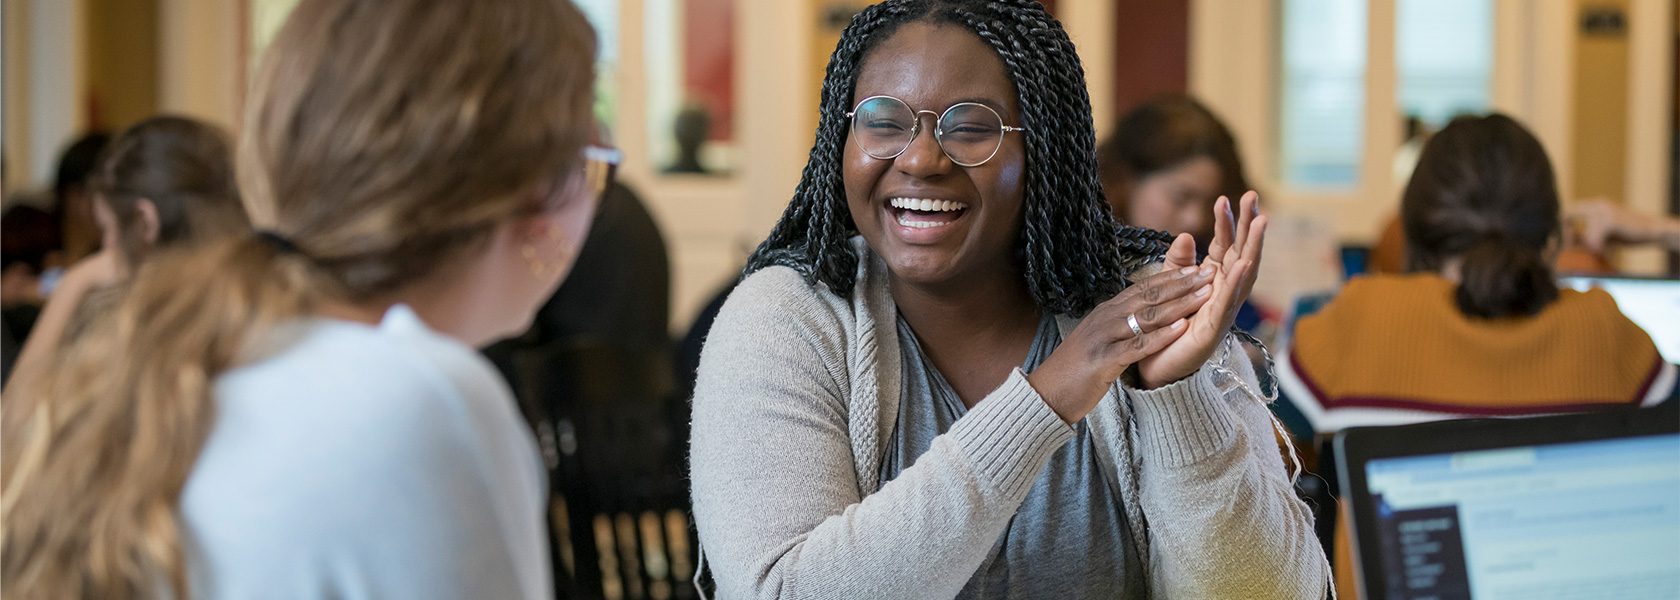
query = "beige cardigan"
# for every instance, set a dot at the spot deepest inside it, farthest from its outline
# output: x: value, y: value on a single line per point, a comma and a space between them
x: 797, y: 392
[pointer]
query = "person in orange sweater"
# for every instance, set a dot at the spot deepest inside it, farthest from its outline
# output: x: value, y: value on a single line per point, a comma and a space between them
x: 1477, y: 326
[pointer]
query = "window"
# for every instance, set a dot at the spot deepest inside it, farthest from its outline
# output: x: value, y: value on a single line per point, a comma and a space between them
x: 1321, y: 128
x: 1444, y: 51
x: 690, y: 46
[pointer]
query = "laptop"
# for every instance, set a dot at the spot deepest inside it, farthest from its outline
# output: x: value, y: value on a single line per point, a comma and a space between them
x: 1654, y: 304
x: 1569, y: 506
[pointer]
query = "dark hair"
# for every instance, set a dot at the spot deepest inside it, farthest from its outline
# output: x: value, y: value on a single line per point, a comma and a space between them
x: 1073, y: 253
x: 77, y: 163
x: 1483, y: 190
x: 1162, y: 134
x: 28, y: 235
x: 184, y: 168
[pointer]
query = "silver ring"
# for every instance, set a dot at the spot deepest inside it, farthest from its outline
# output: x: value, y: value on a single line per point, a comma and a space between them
x: 1131, y: 320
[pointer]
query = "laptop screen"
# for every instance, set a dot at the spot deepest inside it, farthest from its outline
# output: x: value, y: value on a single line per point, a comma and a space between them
x: 1651, y: 303
x: 1594, y: 519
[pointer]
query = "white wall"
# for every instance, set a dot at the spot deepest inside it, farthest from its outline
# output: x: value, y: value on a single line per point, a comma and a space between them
x: 14, y: 23
x: 1650, y: 122
x: 56, y: 83
x: 199, y: 55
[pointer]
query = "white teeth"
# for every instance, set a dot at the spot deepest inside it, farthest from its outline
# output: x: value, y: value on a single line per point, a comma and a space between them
x: 925, y: 205
x: 905, y: 221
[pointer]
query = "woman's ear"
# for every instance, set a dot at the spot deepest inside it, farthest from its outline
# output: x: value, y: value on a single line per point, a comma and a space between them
x: 147, y: 220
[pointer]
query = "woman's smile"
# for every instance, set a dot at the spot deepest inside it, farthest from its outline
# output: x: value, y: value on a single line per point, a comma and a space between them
x: 924, y: 220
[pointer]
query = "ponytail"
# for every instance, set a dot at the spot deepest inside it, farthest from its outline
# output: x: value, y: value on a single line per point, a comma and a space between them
x: 1483, y: 193
x: 1502, y: 278
x: 91, y: 480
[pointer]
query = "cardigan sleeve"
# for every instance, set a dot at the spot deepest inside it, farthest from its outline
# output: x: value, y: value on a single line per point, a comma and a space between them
x: 776, y: 497
x: 1224, y: 520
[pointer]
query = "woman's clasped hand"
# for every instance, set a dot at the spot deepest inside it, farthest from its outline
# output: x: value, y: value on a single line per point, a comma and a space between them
x: 1182, y: 312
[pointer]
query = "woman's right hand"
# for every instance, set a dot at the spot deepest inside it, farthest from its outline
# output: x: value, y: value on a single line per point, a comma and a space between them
x: 1073, y: 379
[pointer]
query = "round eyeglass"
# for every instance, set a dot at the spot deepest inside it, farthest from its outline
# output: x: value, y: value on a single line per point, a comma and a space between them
x: 969, y: 133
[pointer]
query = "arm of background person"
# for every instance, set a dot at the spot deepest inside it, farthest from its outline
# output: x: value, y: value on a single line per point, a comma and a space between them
x: 776, y: 496
x: 36, y: 357
x: 1598, y: 223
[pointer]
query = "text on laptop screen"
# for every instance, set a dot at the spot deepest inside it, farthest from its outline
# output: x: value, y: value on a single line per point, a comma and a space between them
x: 1654, y: 304
x: 1598, y: 519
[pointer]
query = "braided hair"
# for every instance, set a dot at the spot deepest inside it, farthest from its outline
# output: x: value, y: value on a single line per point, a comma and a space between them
x: 1073, y: 252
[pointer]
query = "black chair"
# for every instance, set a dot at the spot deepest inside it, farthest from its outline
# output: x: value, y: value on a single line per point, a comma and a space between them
x: 620, y: 510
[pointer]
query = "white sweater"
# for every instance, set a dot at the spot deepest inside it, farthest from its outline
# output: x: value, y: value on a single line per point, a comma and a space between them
x: 367, y: 462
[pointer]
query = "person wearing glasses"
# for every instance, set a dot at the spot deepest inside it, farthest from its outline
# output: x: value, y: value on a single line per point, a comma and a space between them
x: 298, y: 412
x: 949, y: 373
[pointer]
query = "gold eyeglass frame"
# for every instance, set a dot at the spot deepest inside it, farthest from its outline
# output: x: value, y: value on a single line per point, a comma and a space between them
x: 938, y: 137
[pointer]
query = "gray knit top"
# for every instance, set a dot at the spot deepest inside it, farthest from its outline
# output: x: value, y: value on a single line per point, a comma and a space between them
x: 1068, y: 539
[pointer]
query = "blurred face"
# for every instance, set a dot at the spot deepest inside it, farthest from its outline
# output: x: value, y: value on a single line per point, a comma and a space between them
x: 936, y: 222
x: 1178, y: 199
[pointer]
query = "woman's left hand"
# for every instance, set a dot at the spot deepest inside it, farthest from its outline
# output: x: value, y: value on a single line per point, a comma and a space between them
x: 1235, y: 252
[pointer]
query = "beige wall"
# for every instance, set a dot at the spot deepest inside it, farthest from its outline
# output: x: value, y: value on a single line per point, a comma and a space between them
x: 136, y: 57
x: 14, y: 47
x: 56, y: 82
x: 201, y: 72
x: 1599, y: 147
x: 122, y: 66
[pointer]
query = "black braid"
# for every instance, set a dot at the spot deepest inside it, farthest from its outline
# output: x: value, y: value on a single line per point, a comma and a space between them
x: 1073, y: 252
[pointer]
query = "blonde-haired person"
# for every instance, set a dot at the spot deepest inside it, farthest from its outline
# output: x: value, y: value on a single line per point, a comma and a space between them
x: 298, y: 413
x: 166, y: 183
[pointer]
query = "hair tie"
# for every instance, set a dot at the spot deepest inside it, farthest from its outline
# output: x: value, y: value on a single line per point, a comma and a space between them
x: 277, y: 241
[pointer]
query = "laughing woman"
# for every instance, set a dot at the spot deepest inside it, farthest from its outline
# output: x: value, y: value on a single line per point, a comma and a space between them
x: 950, y: 374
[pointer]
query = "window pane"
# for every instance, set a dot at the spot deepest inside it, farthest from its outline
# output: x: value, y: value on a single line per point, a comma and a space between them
x: 1445, y: 55
x: 690, y: 47
x: 1323, y: 92
x: 603, y: 15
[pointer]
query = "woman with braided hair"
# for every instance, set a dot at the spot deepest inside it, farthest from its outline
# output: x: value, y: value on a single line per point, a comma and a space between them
x: 950, y: 374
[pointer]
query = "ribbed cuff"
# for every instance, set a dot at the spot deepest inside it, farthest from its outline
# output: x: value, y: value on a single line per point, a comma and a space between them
x: 1182, y: 423
x: 1010, y: 435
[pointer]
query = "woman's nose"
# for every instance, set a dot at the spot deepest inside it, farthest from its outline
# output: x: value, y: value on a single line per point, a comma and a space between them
x: 924, y: 157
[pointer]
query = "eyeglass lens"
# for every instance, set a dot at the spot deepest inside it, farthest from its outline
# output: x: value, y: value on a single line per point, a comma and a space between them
x: 969, y: 133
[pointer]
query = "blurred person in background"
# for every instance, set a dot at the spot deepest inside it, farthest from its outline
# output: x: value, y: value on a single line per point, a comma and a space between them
x: 1477, y: 326
x: 1165, y: 165
x: 73, y: 199
x: 166, y: 183
x: 29, y: 239
x: 299, y: 412
x: 1599, y: 226
x: 40, y: 240
x: 948, y: 365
